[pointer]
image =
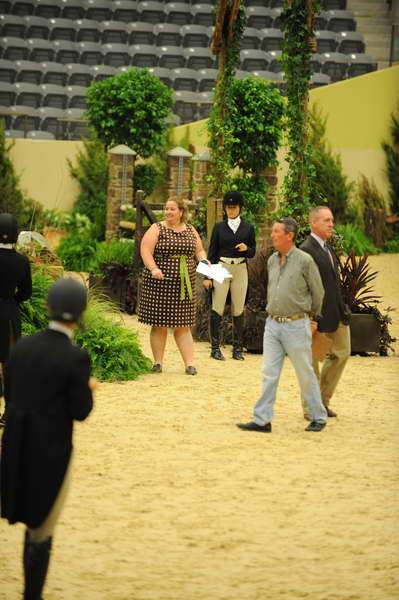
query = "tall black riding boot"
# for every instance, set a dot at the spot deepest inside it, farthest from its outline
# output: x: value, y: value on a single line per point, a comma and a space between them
x: 238, y: 332
x: 215, y: 322
x: 36, y: 561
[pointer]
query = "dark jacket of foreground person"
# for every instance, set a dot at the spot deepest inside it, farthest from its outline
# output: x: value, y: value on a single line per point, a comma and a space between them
x: 46, y: 389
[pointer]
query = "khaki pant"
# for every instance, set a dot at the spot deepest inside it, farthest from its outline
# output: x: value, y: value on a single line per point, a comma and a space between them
x: 46, y: 529
x: 334, y: 362
x: 237, y: 285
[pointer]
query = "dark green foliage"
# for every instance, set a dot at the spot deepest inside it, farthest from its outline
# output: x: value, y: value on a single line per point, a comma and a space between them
x: 374, y: 211
x: 354, y: 240
x: 146, y: 177
x: 131, y: 109
x: 392, y: 246
x: 254, y: 190
x: 116, y: 255
x: 91, y: 172
x: 114, y: 351
x: 330, y: 186
x: 392, y: 163
x: 34, y: 311
x: 77, y: 251
x: 257, y: 110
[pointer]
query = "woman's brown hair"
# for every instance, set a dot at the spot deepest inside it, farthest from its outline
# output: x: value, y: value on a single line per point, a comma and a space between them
x: 181, y: 205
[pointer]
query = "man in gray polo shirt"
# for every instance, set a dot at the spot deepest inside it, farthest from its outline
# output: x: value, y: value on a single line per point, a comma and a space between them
x: 294, y: 297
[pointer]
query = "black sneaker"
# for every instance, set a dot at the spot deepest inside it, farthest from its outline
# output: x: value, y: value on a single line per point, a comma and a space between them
x: 251, y: 426
x: 157, y: 368
x: 314, y: 426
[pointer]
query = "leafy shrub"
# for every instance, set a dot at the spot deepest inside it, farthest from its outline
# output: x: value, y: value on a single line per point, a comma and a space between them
x: 145, y: 178
x: 254, y: 190
x: 132, y: 109
x: 374, y: 211
x: 34, y: 311
x: 392, y: 246
x: 77, y: 251
x: 117, y: 254
x: 354, y: 240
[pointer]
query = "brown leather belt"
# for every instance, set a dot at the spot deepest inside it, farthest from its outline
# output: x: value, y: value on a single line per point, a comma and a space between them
x: 280, y: 319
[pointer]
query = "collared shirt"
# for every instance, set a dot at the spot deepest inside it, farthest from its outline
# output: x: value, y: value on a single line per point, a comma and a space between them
x: 294, y: 287
x: 324, y: 245
x: 57, y: 326
x: 234, y: 223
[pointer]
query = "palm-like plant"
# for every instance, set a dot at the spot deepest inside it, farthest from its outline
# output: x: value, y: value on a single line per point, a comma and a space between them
x: 356, y: 277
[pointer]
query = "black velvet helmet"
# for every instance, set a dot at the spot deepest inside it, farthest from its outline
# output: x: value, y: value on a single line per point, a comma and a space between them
x: 8, y: 229
x: 67, y: 300
x: 233, y: 199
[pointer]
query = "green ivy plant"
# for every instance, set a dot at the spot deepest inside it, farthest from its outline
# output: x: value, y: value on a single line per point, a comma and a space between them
x: 131, y: 109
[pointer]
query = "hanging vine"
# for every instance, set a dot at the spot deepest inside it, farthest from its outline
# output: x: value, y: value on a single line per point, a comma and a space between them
x: 297, y: 23
x: 230, y: 19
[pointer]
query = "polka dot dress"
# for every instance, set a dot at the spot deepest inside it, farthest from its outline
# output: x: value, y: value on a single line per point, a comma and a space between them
x: 159, y: 300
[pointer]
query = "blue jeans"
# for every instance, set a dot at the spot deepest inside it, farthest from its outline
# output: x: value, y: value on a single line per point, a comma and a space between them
x: 295, y: 340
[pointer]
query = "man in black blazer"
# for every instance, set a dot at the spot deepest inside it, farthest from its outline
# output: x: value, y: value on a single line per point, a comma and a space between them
x: 47, y: 387
x: 334, y: 320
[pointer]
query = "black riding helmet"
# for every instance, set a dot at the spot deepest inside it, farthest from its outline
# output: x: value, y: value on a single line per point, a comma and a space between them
x: 8, y: 229
x: 233, y: 199
x: 67, y: 300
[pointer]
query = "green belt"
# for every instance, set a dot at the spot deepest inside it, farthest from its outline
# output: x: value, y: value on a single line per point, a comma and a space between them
x: 185, y: 283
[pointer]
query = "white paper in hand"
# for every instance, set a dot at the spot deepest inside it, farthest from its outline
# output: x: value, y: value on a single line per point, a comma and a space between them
x: 216, y: 272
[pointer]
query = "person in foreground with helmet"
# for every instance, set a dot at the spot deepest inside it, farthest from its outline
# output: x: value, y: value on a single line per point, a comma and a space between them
x: 15, y: 287
x: 232, y: 243
x: 47, y: 387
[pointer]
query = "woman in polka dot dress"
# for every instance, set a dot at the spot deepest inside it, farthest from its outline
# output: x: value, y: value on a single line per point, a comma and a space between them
x: 169, y: 250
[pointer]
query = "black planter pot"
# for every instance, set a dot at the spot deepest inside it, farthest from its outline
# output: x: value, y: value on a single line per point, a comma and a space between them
x: 114, y: 290
x: 365, y: 333
x: 254, y: 330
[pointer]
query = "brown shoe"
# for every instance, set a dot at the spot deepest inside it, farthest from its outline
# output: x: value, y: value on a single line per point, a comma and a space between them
x: 330, y: 413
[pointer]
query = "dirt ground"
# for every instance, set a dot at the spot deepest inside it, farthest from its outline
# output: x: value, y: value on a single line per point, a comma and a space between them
x: 170, y: 501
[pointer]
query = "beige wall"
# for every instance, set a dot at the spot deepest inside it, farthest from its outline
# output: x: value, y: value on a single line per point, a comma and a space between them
x: 358, y: 112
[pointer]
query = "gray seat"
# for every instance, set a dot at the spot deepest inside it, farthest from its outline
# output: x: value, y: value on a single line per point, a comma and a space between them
x: 275, y: 62
x: 66, y: 52
x: 195, y: 36
x: 81, y: 75
x: 90, y: 53
x: 165, y: 75
x: 49, y: 9
x: 141, y: 33
x: 318, y: 80
x: 171, y: 57
x: 316, y: 62
x: 14, y: 48
x: 114, y: 32
x: 151, y: 12
x: 167, y: 34
x: 335, y: 65
x: 276, y: 3
x: 88, y: 31
x: 143, y: 55
x: 76, y: 96
x: 199, y: 58
x: 326, y: 41
x: 5, y: 6
x: 73, y: 9
x: 321, y: 20
x: 8, y: 71
x: 29, y: 72
x: 98, y: 10
x: 341, y: 20
x: 51, y: 121
x: 13, y: 133
x: 23, y: 7
x: 266, y: 75
x: 254, y: 60
x: 37, y: 27
x: 40, y: 135
x: 101, y: 72
x: 12, y: 26
x: 207, y: 79
x: 333, y: 4
x: 204, y: 103
x: 202, y: 14
x: 178, y: 13
x: 8, y: 94
x: 259, y: 17
x: 63, y: 29
x: 272, y: 39
x: 54, y: 96
x: 186, y: 106
x: 124, y: 10
x: 28, y: 94
x: 202, y: 2
x: 360, y: 64
x: 350, y: 42
x: 116, y: 55
x: 54, y: 73
x: 77, y: 126
x: 186, y: 80
x: 25, y: 118
x: 261, y: 3
x: 251, y: 39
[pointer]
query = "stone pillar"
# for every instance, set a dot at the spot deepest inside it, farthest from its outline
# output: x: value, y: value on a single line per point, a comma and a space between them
x: 120, y: 186
x: 179, y: 173
x: 270, y: 174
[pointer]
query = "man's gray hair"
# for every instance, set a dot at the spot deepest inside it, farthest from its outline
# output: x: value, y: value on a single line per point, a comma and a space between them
x: 290, y: 225
x: 314, y: 211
